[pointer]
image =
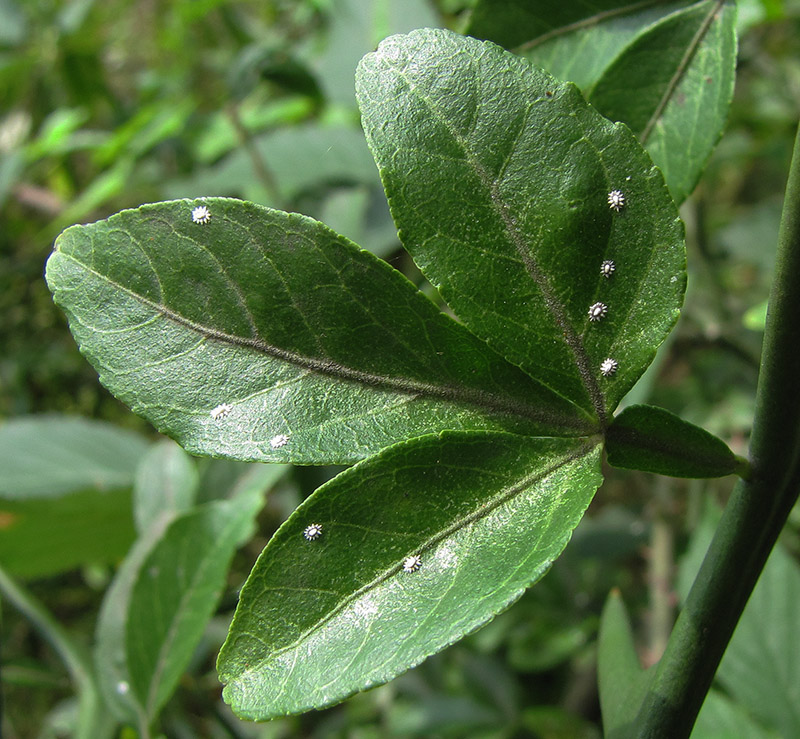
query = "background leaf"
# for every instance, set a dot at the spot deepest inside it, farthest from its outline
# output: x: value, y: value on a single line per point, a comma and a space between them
x: 165, y: 592
x: 66, y: 481
x: 48, y: 456
x: 166, y: 484
x: 498, y: 177
x: 318, y: 620
x: 573, y: 41
x: 263, y: 335
x: 512, y: 23
x: 673, y: 86
x: 621, y: 679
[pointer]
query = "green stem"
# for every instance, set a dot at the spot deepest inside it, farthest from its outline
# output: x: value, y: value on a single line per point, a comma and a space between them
x: 92, y: 720
x: 755, y: 514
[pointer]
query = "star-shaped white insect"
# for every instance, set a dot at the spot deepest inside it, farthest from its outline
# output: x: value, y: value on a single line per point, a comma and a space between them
x: 597, y: 311
x: 412, y: 563
x: 616, y: 200
x: 221, y: 411
x: 201, y: 214
x: 609, y: 367
x: 279, y: 440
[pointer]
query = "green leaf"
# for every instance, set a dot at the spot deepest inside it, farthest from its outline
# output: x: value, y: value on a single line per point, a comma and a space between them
x: 498, y: 177
x: 723, y: 717
x: 263, y: 335
x: 621, y: 679
x: 652, y: 439
x: 166, y: 484
x: 673, y: 86
x: 573, y: 41
x: 511, y: 23
x: 65, y: 481
x: 51, y: 456
x: 761, y: 666
x: 79, y: 528
x: 487, y: 513
x: 157, y: 608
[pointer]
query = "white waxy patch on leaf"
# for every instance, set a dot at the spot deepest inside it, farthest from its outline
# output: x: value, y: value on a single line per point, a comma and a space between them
x: 597, y: 311
x: 279, y: 440
x: 313, y: 531
x: 412, y: 563
x: 607, y: 268
x: 609, y: 367
x: 221, y: 411
x: 201, y: 214
x: 616, y: 200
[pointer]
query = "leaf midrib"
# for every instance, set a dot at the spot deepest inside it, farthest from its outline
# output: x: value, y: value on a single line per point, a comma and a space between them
x: 486, y: 401
x: 587, y: 22
x: 554, y: 305
x: 681, y: 69
x: 482, y: 511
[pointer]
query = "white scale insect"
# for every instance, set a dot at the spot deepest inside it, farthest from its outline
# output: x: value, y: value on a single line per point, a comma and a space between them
x: 201, y: 214
x: 221, y: 411
x: 597, y: 311
x: 312, y: 531
x: 616, y: 200
x: 607, y: 268
x: 609, y: 367
x: 412, y: 563
x: 279, y: 440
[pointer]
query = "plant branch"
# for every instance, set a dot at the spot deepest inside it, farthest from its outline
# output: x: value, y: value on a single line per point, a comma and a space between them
x: 755, y: 514
x: 92, y: 721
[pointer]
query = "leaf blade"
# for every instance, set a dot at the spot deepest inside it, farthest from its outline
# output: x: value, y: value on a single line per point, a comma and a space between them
x: 263, y: 335
x: 318, y: 620
x: 498, y: 177
x: 673, y: 86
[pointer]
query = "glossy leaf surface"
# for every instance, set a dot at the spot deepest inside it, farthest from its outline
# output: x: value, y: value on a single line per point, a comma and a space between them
x: 652, y: 439
x: 486, y: 513
x: 673, y: 86
x: 499, y: 177
x: 263, y: 335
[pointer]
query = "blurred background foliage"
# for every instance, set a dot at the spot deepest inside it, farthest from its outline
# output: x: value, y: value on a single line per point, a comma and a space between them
x: 106, y: 104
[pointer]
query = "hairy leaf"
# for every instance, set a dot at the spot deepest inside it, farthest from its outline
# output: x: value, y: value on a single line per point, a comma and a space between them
x: 500, y: 179
x: 264, y: 335
x: 486, y: 513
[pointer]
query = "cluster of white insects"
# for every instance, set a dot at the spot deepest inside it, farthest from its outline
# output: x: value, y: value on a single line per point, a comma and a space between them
x: 598, y: 311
